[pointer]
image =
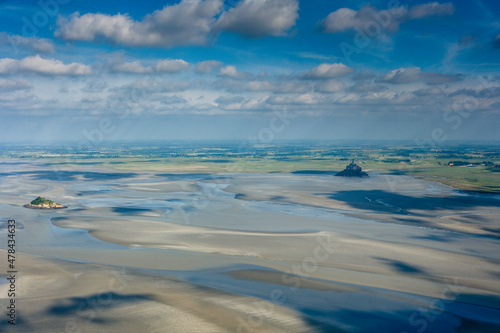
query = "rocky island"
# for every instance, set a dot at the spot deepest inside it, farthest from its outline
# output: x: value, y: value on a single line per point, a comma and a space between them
x: 42, y: 203
x: 352, y: 170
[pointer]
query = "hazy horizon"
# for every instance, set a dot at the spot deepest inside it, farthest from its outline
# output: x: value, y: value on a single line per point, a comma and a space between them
x: 237, y: 141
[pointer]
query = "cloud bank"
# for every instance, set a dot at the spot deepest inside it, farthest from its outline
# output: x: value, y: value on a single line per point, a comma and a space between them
x: 190, y: 22
x: 369, y: 19
x: 39, y: 65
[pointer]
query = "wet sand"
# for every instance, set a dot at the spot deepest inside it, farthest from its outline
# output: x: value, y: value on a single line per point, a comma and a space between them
x: 250, y: 252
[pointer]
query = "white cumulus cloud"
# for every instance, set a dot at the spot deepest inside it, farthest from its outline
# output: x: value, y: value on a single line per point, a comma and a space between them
x: 330, y: 86
x: 18, y: 42
x: 431, y: 9
x: 37, y: 64
x: 259, y: 18
x: 131, y: 67
x: 205, y: 67
x: 328, y: 71
x: 232, y: 72
x: 186, y: 23
x: 171, y: 65
x: 414, y: 74
x: 161, y: 66
x: 370, y: 21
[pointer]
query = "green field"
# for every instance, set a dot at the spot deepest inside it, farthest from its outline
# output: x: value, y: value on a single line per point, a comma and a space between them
x: 477, y: 178
x: 429, y: 164
x: 481, y: 179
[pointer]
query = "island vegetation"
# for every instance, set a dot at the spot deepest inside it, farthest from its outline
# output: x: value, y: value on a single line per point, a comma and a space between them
x: 42, y: 203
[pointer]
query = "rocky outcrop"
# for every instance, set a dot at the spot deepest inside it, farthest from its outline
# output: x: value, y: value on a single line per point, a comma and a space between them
x: 352, y: 170
x: 42, y: 203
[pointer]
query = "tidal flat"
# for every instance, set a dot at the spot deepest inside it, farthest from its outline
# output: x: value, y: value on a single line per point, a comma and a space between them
x: 248, y: 252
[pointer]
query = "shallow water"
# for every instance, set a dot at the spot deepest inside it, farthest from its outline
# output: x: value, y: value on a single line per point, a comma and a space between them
x: 386, y: 215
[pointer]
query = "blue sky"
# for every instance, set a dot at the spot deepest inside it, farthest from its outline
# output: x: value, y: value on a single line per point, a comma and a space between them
x: 262, y: 70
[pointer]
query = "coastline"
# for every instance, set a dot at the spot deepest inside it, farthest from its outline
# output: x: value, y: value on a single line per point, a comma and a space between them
x: 453, y: 184
x: 43, y: 208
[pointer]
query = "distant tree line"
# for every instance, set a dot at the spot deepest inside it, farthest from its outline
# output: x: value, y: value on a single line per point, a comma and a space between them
x: 465, y: 163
